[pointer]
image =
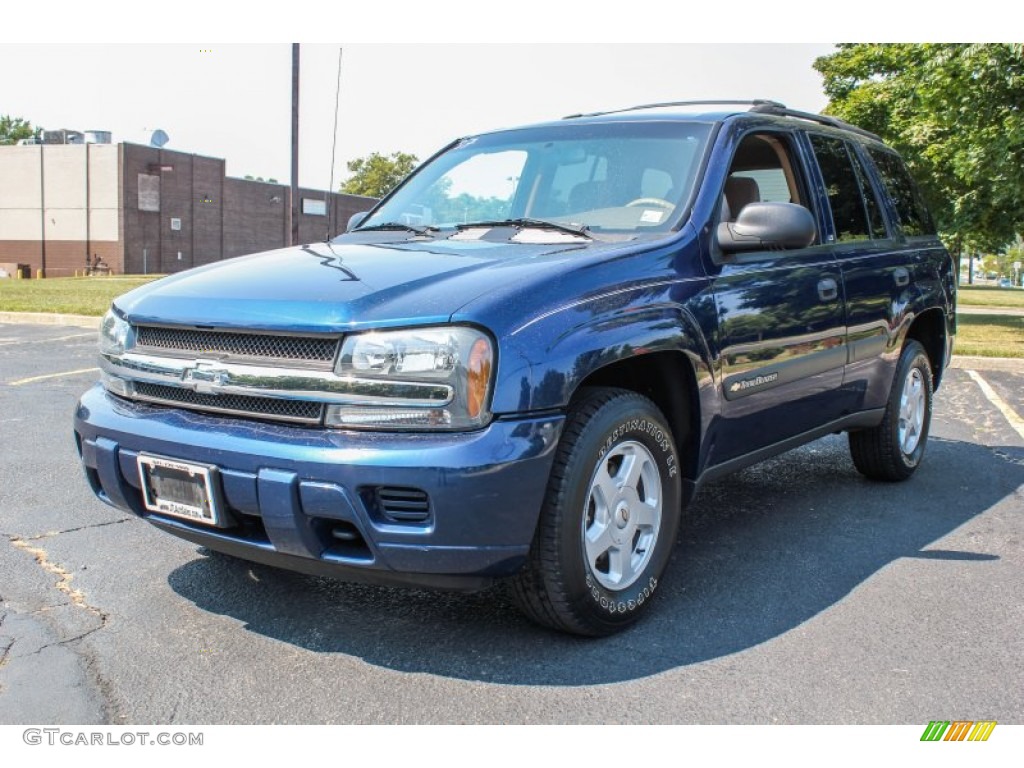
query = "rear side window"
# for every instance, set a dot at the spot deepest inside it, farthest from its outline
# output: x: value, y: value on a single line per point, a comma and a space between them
x: 906, y: 198
x: 843, y: 188
x: 874, y: 210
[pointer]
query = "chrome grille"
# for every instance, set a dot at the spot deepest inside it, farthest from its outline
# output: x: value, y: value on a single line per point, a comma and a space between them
x: 296, y: 411
x: 312, y: 351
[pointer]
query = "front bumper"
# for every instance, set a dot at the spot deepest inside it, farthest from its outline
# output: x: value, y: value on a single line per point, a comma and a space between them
x: 289, y: 491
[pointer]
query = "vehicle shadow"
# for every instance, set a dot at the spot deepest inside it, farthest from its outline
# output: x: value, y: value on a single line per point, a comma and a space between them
x: 760, y: 553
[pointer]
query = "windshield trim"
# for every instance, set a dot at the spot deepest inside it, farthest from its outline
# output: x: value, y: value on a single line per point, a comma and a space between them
x: 686, y: 209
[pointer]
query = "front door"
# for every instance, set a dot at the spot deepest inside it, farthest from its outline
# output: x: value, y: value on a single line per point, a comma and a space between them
x: 781, y: 339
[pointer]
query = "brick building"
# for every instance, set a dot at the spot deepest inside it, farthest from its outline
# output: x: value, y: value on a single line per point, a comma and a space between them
x: 141, y: 210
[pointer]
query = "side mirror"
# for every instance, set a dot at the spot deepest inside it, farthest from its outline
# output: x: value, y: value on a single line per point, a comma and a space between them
x: 355, y: 220
x: 768, y: 226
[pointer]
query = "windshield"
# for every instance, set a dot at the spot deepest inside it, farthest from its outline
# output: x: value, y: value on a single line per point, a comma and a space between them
x: 616, y: 177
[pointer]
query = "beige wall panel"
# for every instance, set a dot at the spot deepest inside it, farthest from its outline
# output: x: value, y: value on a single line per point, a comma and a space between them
x: 103, y: 224
x: 65, y: 224
x: 20, y: 224
x: 19, y: 177
x: 64, y: 176
x: 103, y: 176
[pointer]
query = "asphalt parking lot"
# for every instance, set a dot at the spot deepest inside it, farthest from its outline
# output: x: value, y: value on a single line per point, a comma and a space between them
x: 799, y: 593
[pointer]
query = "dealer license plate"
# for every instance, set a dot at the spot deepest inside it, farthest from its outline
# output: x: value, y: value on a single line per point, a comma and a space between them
x: 179, y: 488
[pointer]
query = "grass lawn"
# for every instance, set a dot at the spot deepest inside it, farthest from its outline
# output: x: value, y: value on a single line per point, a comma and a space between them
x: 989, y: 296
x: 989, y: 335
x: 66, y: 295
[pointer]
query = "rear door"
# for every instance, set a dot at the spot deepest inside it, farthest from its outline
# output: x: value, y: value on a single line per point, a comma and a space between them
x: 881, y: 274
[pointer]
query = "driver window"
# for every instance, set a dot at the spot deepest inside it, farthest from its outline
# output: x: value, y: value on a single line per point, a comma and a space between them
x: 762, y: 171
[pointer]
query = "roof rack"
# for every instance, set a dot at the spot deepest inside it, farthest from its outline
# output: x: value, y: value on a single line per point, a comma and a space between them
x: 711, y: 103
x: 774, y: 108
x: 761, y: 106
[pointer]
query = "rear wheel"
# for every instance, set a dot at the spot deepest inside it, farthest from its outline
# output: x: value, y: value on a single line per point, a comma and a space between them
x: 894, y: 449
x: 609, y: 519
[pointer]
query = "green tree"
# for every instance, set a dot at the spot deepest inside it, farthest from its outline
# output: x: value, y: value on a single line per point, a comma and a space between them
x: 375, y: 175
x: 14, y: 129
x: 1012, y: 254
x: 954, y: 112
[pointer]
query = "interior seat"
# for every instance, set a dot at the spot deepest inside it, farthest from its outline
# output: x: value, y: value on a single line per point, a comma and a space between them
x: 740, y: 191
x: 588, y: 196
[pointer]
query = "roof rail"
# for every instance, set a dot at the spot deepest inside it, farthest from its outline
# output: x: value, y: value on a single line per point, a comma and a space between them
x: 774, y: 108
x: 761, y: 106
x: 753, y: 103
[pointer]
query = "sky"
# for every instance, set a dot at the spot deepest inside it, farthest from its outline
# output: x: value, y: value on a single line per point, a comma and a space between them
x: 234, y: 100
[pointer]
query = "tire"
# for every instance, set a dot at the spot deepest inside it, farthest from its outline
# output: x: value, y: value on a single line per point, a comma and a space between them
x: 609, y: 519
x: 894, y: 449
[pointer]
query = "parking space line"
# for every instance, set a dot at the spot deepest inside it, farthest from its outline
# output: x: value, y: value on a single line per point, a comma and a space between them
x: 1011, y: 416
x: 62, y: 374
x: 11, y: 343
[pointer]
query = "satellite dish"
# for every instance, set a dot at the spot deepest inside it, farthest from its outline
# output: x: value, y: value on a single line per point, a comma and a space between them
x: 159, y: 138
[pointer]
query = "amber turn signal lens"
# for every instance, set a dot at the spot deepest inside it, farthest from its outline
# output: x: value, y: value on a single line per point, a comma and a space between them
x: 479, y: 369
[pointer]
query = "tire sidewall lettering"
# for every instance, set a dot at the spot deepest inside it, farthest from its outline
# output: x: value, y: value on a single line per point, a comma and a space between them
x: 615, y: 604
x: 646, y: 427
x: 654, y: 436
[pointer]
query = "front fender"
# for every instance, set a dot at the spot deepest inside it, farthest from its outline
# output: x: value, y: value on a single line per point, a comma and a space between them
x: 559, y: 350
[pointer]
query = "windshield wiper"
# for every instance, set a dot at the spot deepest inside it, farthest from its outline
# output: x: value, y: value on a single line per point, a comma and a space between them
x: 397, y: 226
x: 580, y: 230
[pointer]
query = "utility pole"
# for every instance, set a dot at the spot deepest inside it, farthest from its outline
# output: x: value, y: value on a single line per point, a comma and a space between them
x: 295, y: 146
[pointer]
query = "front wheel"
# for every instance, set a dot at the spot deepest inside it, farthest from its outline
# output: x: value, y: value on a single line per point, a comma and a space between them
x: 894, y: 449
x: 609, y: 519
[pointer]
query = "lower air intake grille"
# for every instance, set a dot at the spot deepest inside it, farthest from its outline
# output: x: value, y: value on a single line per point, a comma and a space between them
x: 299, y: 411
x: 403, y: 505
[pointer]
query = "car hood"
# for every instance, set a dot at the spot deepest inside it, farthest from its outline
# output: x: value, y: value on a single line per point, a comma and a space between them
x: 340, y: 286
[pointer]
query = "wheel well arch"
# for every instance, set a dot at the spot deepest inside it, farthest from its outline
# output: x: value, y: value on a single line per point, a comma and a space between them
x: 669, y: 380
x: 929, y: 329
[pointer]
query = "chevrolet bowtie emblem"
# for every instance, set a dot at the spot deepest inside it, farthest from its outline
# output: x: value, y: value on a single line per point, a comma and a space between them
x: 205, y: 378
x: 757, y: 381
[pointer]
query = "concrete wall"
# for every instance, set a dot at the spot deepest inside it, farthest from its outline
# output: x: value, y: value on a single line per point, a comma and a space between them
x: 21, y: 216
x: 59, y: 207
x: 219, y: 217
x: 143, y: 210
x: 254, y: 216
x: 185, y: 229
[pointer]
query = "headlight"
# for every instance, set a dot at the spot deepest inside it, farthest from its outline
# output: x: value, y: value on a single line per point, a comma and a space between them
x: 458, y: 357
x: 113, y: 334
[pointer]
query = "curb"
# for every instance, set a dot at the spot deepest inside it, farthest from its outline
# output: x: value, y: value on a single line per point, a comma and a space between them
x: 45, y: 318
x: 1013, y: 364
x: 991, y: 311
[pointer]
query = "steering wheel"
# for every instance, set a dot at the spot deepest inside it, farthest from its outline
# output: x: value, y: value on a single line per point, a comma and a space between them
x: 659, y: 202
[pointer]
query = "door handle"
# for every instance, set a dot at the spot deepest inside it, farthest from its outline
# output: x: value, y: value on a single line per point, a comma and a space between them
x: 901, y: 275
x: 828, y: 289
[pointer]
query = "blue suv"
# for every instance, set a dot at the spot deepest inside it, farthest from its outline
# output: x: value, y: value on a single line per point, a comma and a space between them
x: 523, y: 363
